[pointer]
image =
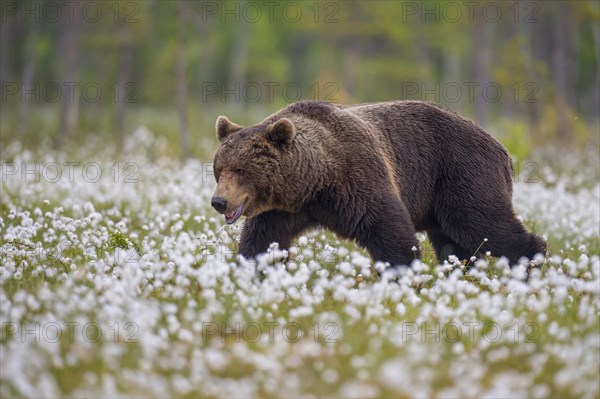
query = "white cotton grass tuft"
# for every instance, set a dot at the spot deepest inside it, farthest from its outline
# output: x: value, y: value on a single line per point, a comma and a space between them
x: 188, y: 316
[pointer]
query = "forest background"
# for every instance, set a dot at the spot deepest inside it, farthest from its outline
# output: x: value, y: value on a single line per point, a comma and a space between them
x: 76, y: 71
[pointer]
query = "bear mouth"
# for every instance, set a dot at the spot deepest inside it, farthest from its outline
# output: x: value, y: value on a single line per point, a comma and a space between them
x: 235, y: 214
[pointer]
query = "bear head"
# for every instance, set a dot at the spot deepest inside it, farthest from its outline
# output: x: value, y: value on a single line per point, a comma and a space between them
x: 247, y: 166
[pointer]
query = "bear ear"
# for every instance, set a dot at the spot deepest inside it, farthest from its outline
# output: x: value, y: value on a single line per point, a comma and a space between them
x: 281, y: 132
x: 225, y: 127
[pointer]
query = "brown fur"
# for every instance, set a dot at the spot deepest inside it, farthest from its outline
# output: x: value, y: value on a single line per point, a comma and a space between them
x: 375, y: 173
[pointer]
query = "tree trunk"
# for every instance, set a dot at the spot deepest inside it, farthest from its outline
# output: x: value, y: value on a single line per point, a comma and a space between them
x: 561, y: 66
x: 298, y: 55
x: 348, y: 72
x: 592, y: 100
x: 508, y: 101
x: 124, y: 74
x: 6, y: 33
x: 29, y: 74
x: 180, y: 74
x: 481, y: 55
x: 69, y: 50
x: 239, y: 65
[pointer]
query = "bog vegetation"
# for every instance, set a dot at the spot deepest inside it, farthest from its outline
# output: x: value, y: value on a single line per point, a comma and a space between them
x: 119, y: 278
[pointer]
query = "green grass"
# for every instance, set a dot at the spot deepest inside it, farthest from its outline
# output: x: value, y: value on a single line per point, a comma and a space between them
x: 159, y: 258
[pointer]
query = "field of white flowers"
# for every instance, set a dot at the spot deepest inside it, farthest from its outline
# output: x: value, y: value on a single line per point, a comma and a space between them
x: 118, y: 279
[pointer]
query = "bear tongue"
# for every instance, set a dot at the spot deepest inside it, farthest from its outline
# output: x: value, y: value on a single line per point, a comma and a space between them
x: 235, y: 214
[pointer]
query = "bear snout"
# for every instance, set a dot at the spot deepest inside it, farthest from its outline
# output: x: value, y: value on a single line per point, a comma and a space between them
x: 219, y: 203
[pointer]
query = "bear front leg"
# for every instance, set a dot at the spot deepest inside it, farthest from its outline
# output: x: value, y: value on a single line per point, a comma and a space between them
x: 274, y: 226
x: 388, y: 233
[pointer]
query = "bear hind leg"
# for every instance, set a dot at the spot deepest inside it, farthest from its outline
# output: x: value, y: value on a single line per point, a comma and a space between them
x: 506, y: 236
x: 444, y: 246
x: 515, y: 244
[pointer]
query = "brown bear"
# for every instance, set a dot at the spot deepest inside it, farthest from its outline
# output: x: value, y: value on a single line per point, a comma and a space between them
x: 375, y: 173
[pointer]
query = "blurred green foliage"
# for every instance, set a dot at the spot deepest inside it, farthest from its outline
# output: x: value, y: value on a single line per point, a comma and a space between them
x: 528, y: 71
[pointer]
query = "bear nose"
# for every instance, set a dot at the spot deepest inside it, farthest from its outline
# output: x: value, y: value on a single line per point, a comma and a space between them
x: 219, y: 203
